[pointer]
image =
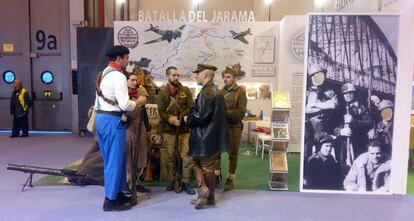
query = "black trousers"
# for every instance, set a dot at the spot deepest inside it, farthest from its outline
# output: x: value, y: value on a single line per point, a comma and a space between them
x: 20, y: 123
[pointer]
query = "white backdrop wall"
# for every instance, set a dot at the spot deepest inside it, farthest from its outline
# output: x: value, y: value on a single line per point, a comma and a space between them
x: 290, y: 68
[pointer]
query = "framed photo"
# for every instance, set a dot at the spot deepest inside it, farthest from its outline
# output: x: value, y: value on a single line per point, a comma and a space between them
x: 251, y: 93
x: 349, y: 112
x: 265, y: 92
x: 264, y: 49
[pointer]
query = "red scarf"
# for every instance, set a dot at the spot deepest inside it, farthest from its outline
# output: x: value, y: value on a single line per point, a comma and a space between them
x: 172, y: 89
x: 115, y: 65
x: 133, y: 93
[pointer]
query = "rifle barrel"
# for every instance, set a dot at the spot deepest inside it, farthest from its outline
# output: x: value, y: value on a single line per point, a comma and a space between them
x: 44, y: 170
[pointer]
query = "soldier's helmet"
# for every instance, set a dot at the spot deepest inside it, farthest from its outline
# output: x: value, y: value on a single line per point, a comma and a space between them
x: 385, y: 104
x: 316, y: 68
x: 348, y: 87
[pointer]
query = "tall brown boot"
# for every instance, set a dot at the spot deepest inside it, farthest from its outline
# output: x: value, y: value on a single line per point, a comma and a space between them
x: 211, y: 184
x: 203, y: 190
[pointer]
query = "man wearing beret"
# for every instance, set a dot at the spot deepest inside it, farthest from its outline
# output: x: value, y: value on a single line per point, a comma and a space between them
x: 112, y: 99
x: 209, y: 133
x: 174, y: 102
x: 322, y: 170
x: 236, y: 101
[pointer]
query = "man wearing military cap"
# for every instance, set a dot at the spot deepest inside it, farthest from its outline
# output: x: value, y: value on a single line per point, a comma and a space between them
x: 352, y: 130
x: 111, y: 100
x: 209, y: 133
x: 321, y: 104
x: 321, y: 170
x: 383, y: 131
x: 174, y: 102
x: 236, y: 101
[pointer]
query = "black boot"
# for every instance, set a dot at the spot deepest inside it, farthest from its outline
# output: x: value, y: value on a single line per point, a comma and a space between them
x: 211, y: 182
x: 115, y: 205
x: 123, y: 198
x: 170, y: 187
x: 186, y: 187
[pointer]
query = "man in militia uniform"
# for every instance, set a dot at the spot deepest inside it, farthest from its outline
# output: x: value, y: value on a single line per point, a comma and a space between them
x: 209, y: 134
x: 352, y: 132
x: 174, y: 102
x: 236, y: 101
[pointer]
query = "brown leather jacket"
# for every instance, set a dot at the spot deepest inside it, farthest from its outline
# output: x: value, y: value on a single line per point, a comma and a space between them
x: 207, y: 120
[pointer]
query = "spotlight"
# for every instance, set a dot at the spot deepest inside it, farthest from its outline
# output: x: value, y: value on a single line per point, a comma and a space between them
x: 268, y: 2
x: 320, y: 3
x: 196, y: 2
x: 120, y: 2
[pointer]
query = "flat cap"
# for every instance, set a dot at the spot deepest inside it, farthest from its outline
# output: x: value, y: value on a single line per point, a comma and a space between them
x: 201, y: 67
x: 229, y: 70
x: 117, y: 50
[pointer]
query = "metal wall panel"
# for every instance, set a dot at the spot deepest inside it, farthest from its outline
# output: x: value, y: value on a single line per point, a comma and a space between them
x: 92, y: 46
x: 50, y: 51
x: 14, y: 23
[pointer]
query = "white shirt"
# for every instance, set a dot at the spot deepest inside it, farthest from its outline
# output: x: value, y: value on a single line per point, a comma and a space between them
x: 114, y: 87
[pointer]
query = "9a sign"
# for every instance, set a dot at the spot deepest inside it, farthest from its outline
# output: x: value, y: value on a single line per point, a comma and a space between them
x: 50, y: 41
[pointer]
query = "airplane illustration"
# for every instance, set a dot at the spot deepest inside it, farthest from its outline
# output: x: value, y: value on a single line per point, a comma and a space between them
x: 240, y: 36
x: 166, y: 35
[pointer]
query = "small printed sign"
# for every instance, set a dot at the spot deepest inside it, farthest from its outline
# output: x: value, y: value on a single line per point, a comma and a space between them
x: 8, y: 47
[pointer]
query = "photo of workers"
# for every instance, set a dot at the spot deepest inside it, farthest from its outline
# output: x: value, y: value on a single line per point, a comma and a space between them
x: 349, y: 102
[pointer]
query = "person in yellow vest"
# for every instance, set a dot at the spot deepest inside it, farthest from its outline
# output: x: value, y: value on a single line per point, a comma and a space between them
x: 19, y: 107
x: 236, y: 102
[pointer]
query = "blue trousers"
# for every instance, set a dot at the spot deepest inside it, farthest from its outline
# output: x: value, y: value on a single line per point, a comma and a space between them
x: 110, y: 133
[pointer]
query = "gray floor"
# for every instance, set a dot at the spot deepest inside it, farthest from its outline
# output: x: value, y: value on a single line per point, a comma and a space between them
x: 85, y: 203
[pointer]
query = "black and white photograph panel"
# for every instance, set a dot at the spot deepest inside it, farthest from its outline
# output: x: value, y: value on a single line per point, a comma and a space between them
x: 350, y: 93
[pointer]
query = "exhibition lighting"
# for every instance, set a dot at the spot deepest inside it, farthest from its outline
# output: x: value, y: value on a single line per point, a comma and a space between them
x: 196, y: 2
x: 268, y: 2
x: 320, y: 3
x: 120, y: 2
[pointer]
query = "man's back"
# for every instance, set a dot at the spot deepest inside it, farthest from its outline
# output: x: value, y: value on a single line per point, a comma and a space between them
x: 209, y: 134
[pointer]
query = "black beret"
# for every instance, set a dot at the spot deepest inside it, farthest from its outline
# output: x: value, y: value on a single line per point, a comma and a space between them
x: 201, y: 67
x: 117, y: 50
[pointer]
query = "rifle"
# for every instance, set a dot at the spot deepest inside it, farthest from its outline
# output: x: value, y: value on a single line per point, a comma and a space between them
x: 177, y: 160
x: 349, y: 147
x: 71, y: 174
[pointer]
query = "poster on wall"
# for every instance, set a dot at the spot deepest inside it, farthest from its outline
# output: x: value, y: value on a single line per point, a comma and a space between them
x: 349, y: 96
x: 248, y: 47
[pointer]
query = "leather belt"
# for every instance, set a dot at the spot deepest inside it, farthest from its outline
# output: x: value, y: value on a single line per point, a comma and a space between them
x: 113, y: 113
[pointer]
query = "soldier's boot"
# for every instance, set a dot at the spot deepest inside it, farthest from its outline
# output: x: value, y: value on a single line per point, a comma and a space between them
x: 186, y: 187
x: 211, y: 183
x: 229, y: 182
x: 203, y: 191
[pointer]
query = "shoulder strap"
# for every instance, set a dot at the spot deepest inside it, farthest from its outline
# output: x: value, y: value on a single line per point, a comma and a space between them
x: 99, y: 78
x: 236, y: 97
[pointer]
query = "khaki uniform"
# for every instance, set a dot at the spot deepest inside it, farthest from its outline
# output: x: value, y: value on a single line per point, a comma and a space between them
x: 236, y: 101
x: 177, y: 105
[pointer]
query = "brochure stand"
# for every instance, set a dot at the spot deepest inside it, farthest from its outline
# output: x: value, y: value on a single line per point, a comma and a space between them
x: 278, y: 167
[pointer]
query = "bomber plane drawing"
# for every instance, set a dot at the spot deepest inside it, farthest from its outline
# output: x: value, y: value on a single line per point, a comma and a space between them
x: 166, y: 35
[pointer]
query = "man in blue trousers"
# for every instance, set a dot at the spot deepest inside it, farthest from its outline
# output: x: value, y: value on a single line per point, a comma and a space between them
x: 111, y: 101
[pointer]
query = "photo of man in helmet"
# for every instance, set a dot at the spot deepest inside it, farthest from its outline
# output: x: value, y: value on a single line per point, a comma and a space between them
x: 352, y: 131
